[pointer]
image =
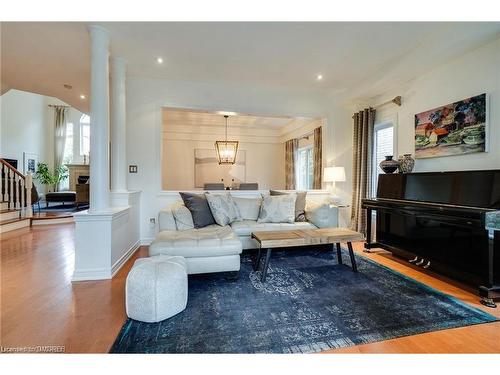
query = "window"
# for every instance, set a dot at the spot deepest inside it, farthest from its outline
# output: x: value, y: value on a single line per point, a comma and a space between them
x: 305, y: 168
x: 68, y: 146
x: 68, y: 153
x: 84, y: 135
x: 383, y: 145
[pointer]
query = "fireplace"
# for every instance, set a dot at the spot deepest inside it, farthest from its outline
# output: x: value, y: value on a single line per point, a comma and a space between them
x: 77, y: 172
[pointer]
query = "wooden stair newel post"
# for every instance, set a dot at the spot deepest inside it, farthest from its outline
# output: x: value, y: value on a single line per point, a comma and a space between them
x: 17, y: 185
x: 11, y: 189
x: 3, y: 187
x: 23, y: 196
x: 29, y: 184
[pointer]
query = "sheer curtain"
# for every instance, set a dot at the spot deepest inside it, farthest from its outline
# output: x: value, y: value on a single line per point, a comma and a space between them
x: 361, y: 165
x: 59, y: 136
x: 318, y: 158
x: 291, y: 147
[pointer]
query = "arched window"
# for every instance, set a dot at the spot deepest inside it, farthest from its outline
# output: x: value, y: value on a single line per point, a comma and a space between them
x: 84, y: 135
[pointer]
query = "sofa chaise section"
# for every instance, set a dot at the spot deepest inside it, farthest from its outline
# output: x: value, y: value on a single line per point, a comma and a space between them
x: 210, y: 249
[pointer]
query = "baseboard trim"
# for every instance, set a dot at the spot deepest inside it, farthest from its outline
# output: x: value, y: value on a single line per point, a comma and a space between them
x: 91, y: 275
x: 23, y: 223
x: 123, y: 259
x: 62, y: 220
x: 105, y: 273
x: 146, y: 241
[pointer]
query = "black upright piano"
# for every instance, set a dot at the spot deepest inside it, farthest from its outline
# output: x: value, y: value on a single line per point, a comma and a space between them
x: 437, y: 220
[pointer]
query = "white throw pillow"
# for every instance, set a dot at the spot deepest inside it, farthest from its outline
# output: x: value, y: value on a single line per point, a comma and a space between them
x: 223, y: 208
x: 249, y: 208
x: 182, y: 216
x: 278, y: 209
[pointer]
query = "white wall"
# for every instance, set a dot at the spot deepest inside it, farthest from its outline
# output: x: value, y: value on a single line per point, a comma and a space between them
x: 145, y: 99
x: 24, y: 128
x: 27, y: 125
x: 263, y: 146
x: 265, y: 163
x: 474, y: 73
x: 340, y: 134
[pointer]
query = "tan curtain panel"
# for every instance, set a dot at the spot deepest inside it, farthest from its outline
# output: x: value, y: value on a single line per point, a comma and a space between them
x: 361, y: 165
x: 291, y: 147
x: 59, y: 135
x: 318, y: 159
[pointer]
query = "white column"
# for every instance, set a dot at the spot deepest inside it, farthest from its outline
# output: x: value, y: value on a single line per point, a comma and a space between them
x: 99, y: 118
x: 118, y: 126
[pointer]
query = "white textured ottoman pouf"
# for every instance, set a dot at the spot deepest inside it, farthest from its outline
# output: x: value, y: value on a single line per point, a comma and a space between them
x: 156, y: 288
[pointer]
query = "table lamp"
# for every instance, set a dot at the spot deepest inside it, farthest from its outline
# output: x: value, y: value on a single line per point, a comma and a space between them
x: 334, y: 174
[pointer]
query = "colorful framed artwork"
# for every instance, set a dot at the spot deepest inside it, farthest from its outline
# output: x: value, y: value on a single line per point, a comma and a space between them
x: 454, y: 129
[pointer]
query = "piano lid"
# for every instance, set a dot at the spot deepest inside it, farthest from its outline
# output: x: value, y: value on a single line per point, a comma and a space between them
x: 461, y: 188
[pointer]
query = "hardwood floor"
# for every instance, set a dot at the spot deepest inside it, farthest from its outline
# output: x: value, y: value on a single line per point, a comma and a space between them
x: 40, y: 305
x: 482, y: 338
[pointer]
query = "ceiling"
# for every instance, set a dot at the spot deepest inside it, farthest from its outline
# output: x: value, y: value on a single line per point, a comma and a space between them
x: 181, y: 117
x: 365, y: 58
x: 194, y: 123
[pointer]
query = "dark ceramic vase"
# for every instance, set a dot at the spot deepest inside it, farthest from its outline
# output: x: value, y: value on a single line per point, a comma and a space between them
x: 389, y: 165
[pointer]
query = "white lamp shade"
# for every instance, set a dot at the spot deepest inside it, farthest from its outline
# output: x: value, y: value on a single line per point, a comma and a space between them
x: 334, y: 174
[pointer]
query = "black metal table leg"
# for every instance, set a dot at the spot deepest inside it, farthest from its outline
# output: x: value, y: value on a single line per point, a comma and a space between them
x: 256, y: 262
x: 339, y: 253
x: 353, y: 260
x: 266, y: 265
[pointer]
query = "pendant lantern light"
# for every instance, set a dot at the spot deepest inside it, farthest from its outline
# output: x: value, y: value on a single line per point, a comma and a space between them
x: 226, y: 150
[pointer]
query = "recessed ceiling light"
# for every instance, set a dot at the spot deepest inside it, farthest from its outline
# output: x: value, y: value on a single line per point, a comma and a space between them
x: 83, y: 97
x: 319, y: 77
x: 159, y: 60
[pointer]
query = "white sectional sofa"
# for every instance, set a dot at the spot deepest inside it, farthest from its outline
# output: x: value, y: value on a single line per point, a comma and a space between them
x: 216, y: 248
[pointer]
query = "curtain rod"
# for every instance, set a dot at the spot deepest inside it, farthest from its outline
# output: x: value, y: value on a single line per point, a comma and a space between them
x: 396, y: 100
x: 63, y: 106
x: 306, y: 136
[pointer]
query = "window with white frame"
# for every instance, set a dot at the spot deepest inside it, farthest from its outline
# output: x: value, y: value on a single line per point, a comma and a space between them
x: 383, y: 145
x: 68, y: 153
x: 68, y: 145
x: 84, y: 135
x: 305, y: 168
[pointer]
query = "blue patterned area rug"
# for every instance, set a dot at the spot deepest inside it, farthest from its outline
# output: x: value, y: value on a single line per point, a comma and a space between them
x: 308, y: 303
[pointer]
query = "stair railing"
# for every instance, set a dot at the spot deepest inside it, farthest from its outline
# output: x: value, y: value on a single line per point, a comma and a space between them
x: 15, y: 189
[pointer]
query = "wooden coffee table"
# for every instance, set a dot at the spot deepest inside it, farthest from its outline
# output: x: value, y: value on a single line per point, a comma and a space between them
x: 305, y: 237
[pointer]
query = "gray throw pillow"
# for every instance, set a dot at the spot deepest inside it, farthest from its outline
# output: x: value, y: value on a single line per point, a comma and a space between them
x: 223, y: 208
x: 300, y: 203
x: 278, y: 209
x: 200, y: 211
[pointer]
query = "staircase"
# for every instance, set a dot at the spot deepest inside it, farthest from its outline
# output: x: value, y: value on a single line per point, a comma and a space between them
x: 15, y: 198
